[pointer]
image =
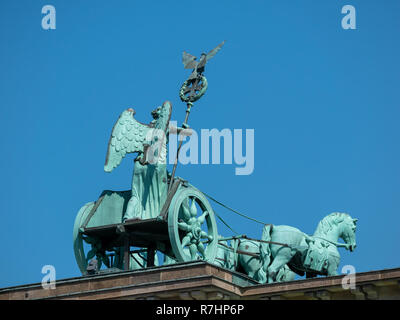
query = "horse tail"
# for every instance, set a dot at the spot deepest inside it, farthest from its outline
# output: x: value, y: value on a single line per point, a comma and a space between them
x: 265, y: 253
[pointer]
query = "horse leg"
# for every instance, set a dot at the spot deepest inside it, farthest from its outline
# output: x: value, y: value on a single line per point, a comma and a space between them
x: 333, y: 264
x: 248, y: 263
x: 332, y: 269
x: 284, y: 255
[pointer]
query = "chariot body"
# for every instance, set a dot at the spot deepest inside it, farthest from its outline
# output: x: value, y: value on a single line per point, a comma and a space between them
x: 172, y: 232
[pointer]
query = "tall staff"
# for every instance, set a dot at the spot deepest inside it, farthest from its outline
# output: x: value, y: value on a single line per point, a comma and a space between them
x: 193, y: 89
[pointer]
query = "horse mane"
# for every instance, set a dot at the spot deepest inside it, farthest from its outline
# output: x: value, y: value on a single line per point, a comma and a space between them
x: 327, y: 223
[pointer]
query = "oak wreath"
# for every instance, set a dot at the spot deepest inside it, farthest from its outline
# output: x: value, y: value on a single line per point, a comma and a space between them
x: 193, y: 98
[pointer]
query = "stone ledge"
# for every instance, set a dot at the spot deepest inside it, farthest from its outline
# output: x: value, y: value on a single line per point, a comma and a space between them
x: 201, y: 280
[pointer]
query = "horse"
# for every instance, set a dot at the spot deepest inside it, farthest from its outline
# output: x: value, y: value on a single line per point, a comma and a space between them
x: 250, y: 262
x: 246, y: 259
x: 288, y: 247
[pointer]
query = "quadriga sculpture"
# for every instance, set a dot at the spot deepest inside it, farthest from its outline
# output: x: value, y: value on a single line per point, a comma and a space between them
x: 165, y: 214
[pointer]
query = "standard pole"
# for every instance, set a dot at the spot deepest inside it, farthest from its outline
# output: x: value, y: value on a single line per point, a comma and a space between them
x: 189, y: 106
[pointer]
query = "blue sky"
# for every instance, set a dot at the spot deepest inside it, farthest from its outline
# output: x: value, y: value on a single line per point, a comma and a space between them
x: 323, y: 101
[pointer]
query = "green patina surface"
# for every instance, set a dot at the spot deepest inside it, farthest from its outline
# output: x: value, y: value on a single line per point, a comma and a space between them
x: 161, y: 213
x: 111, y: 208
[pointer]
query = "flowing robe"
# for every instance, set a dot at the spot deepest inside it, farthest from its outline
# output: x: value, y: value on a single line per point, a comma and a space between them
x: 149, y: 188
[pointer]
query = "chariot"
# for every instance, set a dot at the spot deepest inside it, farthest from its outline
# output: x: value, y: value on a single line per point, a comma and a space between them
x: 185, y: 229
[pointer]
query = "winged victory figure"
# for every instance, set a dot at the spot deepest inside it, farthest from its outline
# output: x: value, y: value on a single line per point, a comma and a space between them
x: 149, y: 182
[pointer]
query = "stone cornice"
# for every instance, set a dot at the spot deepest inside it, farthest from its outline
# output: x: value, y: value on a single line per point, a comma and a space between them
x: 200, y: 280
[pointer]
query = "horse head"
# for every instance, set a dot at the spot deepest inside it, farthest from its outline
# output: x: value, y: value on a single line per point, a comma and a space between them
x: 348, y: 232
x: 338, y: 225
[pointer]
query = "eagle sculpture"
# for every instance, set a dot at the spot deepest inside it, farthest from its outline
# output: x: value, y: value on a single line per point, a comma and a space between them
x: 190, y: 62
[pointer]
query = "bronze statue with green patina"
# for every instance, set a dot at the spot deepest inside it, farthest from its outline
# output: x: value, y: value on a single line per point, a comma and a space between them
x: 167, y: 214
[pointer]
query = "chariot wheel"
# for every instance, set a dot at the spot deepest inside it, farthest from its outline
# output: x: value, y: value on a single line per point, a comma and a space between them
x: 79, y: 251
x: 192, y: 227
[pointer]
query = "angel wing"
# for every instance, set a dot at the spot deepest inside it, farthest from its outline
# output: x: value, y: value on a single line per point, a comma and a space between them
x: 189, y: 61
x: 214, y: 51
x: 128, y: 136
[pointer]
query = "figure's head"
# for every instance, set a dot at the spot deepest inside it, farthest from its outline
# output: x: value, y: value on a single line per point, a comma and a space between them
x: 156, y: 113
x: 161, y: 116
